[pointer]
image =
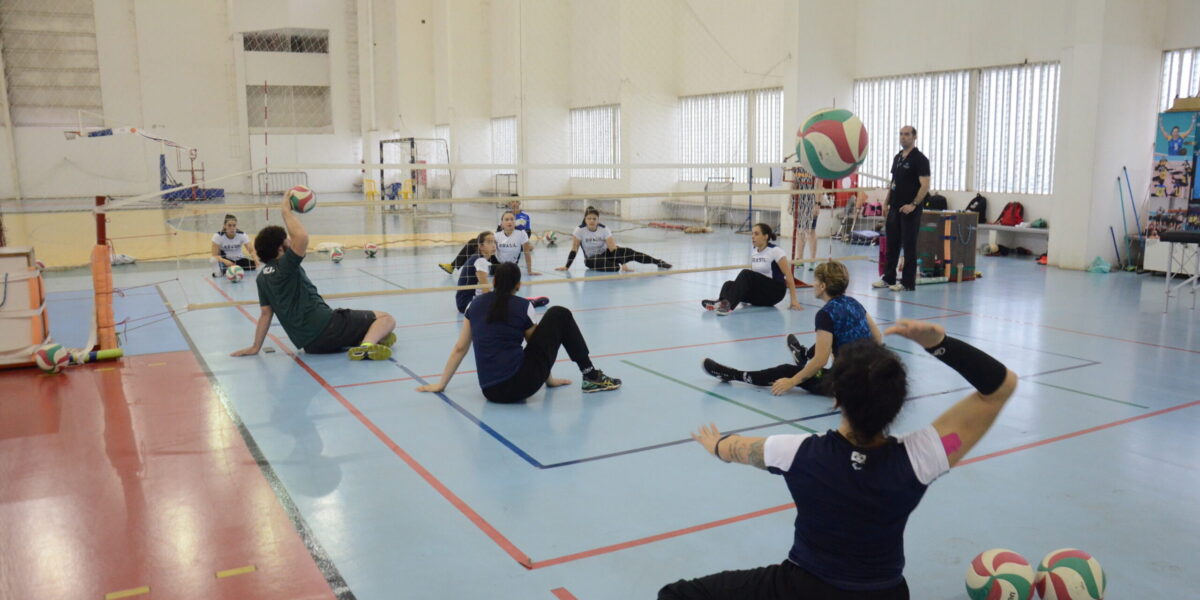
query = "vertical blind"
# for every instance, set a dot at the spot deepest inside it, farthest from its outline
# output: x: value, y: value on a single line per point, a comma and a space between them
x: 1180, y: 76
x: 719, y: 128
x: 936, y: 104
x: 1015, y: 124
x: 768, y: 130
x: 596, y: 139
x: 504, y: 142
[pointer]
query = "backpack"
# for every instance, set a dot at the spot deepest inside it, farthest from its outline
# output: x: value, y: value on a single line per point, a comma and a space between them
x: 1013, y: 214
x: 979, y: 204
x: 934, y: 202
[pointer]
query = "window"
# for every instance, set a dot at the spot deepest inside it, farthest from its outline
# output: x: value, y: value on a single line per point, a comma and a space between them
x: 727, y: 128
x: 287, y: 40
x: 504, y: 142
x: 596, y: 139
x: 289, y: 109
x: 1180, y: 76
x: 1015, y: 122
x: 935, y: 104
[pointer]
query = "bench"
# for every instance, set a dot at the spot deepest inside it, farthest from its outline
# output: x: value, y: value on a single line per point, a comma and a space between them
x: 994, y: 231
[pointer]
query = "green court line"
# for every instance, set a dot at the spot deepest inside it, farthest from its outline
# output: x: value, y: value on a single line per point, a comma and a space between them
x: 1088, y: 394
x: 764, y: 413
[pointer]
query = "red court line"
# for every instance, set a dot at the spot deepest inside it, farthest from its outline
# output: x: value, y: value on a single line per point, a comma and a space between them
x: 1063, y: 329
x: 563, y: 594
x: 441, y: 488
x: 782, y: 507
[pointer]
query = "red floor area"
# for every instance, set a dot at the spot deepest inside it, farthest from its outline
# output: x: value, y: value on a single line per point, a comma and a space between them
x: 119, y: 476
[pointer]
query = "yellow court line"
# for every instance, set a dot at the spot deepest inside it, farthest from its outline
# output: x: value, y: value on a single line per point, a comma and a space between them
x: 105, y: 369
x: 237, y: 571
x: 157, y: 364
x: 145, y: 589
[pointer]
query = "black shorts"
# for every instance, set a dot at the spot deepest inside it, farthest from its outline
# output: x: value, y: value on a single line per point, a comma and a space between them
x: 346, y: 328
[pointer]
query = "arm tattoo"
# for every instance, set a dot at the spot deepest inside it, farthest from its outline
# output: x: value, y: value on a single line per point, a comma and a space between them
x: 756, y: 455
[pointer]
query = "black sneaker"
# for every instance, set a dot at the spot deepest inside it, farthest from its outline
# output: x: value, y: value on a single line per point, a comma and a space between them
x: 724, y: 308
x: 718, y: 370
x: 709, y: 304
x: 597, y: 381
x: 662, y: 264
x: 799, y: 352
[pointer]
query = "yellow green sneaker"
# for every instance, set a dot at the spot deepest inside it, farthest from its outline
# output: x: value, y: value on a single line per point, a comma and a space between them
x: 388, y: 340
x: 371, y: 351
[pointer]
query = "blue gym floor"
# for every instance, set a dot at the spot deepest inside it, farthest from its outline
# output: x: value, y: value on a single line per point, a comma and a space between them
x: 604, y: 496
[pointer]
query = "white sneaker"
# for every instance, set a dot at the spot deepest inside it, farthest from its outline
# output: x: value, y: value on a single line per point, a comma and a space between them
x: 879, y: 284
x: 897, y: 287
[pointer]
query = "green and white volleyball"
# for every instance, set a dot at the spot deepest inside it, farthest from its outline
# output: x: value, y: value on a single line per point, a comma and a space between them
x: 832, y: 143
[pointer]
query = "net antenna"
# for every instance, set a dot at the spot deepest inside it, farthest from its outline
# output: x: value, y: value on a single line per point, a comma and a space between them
x: 196, y: 190
x: 408, y: 173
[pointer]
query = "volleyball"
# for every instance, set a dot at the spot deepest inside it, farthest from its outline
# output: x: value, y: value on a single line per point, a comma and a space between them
x: 235, y: 273
x: 1070, y: 574
x: 302, y: 199
x: 371, y: 250
x: 832, y: 143
x: 337, y: 255
x: 51, y: 358
x: 999, y: 574
x: 551, y: 238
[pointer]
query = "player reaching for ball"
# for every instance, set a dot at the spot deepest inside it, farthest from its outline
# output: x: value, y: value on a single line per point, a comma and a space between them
x: 855, y: 486
x: 284, y: 290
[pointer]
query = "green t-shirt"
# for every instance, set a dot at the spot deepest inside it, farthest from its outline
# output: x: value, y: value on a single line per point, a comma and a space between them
x: 283, y: 285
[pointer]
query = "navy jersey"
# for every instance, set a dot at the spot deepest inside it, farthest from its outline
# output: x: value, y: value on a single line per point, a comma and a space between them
x: 845, y: 318
x: 852, y: 503
x: 498, y: 350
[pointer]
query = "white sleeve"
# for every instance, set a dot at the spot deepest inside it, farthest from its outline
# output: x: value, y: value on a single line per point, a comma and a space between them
x: 607, y: 233
x: 777, y: 253
x: 216, y: 238
x: 578, y: 233
x: 926, y: 453
x: 245, y: 239
x: 482, y: 264
x: 524, y: 237
x: 780, y: 450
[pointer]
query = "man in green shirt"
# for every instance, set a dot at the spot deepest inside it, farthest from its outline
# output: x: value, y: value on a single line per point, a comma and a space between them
x: 284, y: 290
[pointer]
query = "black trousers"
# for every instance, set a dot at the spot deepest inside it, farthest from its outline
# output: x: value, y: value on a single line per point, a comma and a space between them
x: 820, y: 384
x: 755, y: 288
x: 471, y: 247
x: 557, y: 328
x: 785, y: 581
x: 902, y: 234
x: 611, y: 260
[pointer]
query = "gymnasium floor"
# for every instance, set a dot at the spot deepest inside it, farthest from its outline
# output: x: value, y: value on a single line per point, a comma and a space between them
x: 197, y: 475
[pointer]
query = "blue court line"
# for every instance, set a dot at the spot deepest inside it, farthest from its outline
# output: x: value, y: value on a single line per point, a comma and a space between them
x: 533, y: 461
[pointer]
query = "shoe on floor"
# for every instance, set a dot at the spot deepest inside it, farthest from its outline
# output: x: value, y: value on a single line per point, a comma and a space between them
x: 799, y: 351
x: 388, y: 340
x: 447, y: 267
x: 880, y: 284
x: 538, y: 301
x: 371, y: 351
x: 662, y: 264
x: 896, y: 287
x: 709, y: 304
x: 718, y: 370
x: 723, y: 308
x: 597, y: 381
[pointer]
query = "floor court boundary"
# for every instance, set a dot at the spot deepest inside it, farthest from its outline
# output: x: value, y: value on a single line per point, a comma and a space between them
x: 528, y: 563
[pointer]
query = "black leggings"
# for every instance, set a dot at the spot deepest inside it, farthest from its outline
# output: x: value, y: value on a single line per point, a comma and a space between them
x: 820, y: 384
x: 611, y: 260
x: 557, y: 328
x: 471, y: 247
x: 755, y: 288
x: 902, y: 234
x: 776, y: 582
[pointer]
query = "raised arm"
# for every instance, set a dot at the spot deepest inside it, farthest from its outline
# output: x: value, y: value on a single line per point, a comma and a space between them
x: 297, y: 234
x: 965, y: 423
x: 785, y: 265
x: 456, y: 356
x: 732, y: 447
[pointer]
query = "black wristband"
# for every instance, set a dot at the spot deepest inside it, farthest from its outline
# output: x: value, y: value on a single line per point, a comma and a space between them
x: 570, y: 258
x: 717, y: 447
x: 982, y: 371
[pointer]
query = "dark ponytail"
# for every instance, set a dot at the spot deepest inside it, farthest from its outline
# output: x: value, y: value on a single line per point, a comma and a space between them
x: 870, y: 385
x: 505, y: 277
x: 590, y: 210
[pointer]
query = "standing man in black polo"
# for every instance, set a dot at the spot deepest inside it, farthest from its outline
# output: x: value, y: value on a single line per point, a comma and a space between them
x: 910, y: 184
